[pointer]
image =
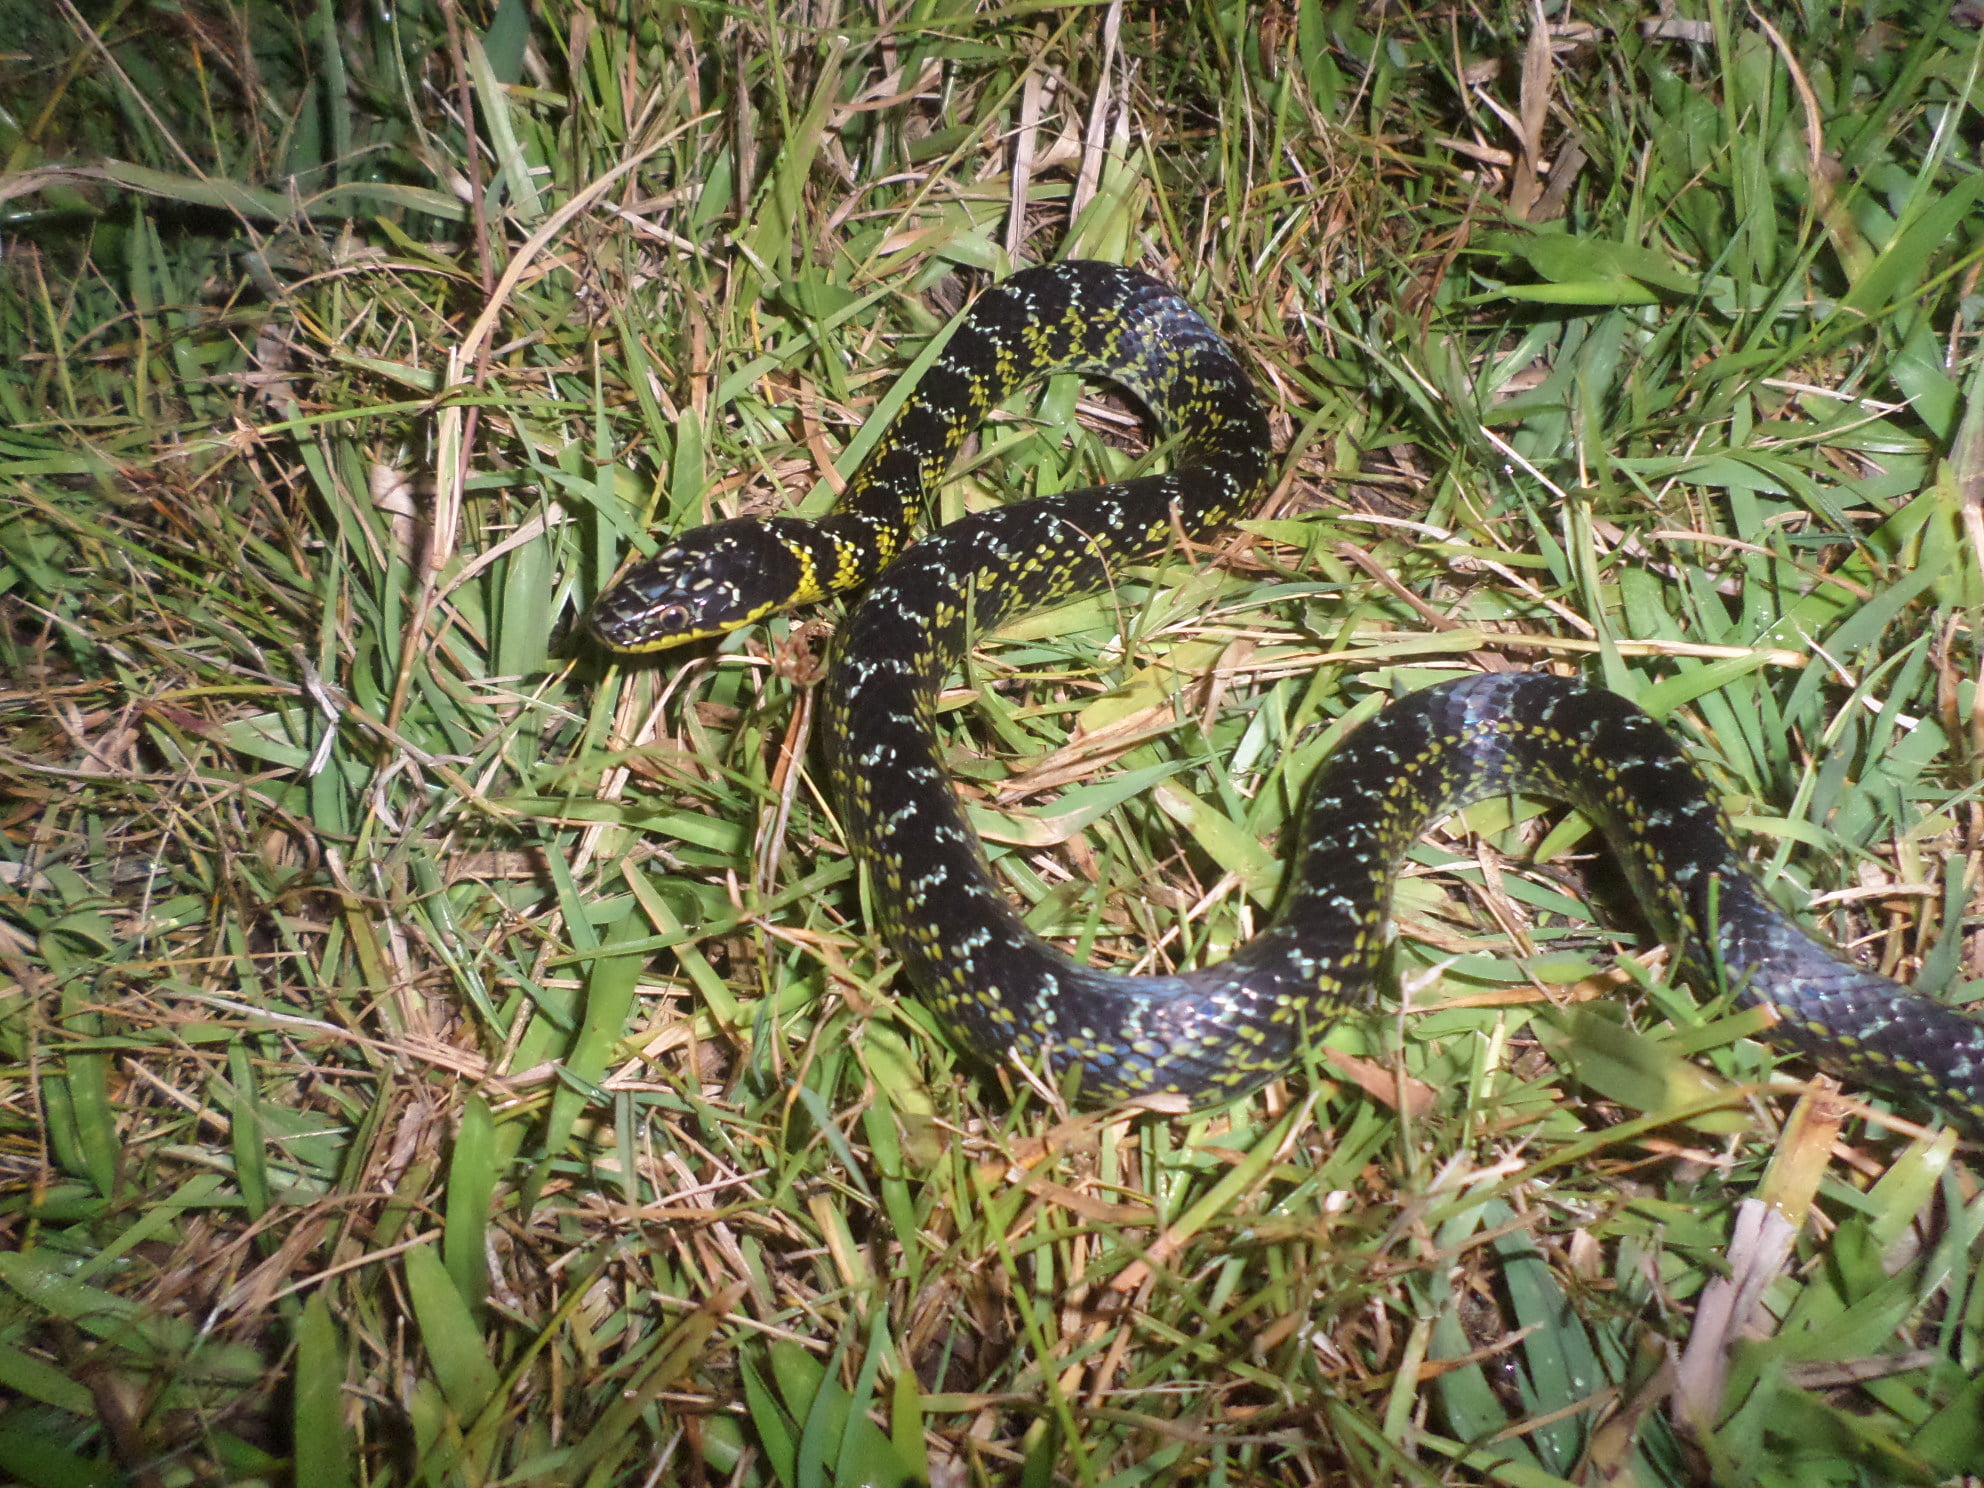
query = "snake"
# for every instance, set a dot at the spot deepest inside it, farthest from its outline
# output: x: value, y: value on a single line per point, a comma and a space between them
x: 1198, y: 1036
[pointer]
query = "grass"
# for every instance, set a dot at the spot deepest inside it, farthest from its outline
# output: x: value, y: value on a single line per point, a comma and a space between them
x: 431, y: 1052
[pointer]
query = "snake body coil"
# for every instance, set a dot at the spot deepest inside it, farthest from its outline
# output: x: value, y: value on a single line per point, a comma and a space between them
x: 1226, y: 1028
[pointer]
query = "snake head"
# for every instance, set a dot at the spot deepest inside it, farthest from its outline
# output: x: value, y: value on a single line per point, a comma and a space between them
x: 707, y: 582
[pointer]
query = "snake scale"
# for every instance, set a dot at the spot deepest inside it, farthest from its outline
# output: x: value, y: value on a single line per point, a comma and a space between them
x: 1008, y: 995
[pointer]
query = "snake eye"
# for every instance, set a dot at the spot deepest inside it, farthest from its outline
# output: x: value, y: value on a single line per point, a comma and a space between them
x: 672, y: 617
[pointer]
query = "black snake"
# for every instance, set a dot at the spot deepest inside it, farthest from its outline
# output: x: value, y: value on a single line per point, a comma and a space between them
x: 1008, y: 995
